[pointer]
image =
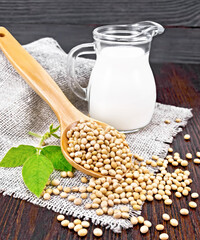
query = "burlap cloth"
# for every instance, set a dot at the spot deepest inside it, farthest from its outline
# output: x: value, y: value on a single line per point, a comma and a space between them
x: 22, y: 110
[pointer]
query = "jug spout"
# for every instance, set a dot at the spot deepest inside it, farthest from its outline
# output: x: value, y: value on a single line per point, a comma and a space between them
x: 137, y: 33
x: 149, y: 28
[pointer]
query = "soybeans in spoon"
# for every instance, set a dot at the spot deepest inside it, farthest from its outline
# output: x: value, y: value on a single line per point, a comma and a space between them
x: 99, y: 149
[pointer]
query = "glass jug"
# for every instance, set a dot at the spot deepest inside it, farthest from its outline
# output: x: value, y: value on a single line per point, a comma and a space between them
x: 121, y: 90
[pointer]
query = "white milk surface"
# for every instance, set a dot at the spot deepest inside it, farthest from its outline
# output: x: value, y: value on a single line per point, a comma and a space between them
x: 121, y: 89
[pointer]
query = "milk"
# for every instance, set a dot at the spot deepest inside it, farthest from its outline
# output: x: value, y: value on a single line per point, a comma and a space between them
x: 121, y: 89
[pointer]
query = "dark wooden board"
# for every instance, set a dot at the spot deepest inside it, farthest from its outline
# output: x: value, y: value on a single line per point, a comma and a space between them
x: 177, y: 84
x: 169, y: 12
x: 180, y: 45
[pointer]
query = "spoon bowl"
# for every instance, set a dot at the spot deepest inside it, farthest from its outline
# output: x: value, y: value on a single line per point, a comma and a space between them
x: 41, y: 82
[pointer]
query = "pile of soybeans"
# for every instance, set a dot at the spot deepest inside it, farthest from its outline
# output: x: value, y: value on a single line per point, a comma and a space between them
x: 124, y: 181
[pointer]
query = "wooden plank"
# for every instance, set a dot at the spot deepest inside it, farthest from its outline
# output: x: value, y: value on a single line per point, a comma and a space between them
x: 176, y: 85
x: 179, y: 45
x: 169, y: 12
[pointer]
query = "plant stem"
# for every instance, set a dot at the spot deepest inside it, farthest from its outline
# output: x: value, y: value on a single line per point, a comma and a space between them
x: 45, y: 136
x: 34, y: 134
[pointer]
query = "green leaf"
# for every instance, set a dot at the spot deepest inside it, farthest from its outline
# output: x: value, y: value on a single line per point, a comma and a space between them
x: 17, y: 156
x: 51, y: 127
x: 53, y: 130
x: 54, y: 154
x: 55, y: 135
x: 36, y: 172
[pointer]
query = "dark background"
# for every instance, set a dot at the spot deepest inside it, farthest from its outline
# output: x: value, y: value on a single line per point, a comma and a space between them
x: 71, y: 22
x: 175, y: 59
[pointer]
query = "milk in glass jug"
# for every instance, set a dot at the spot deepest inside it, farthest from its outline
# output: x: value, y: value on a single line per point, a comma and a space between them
x: 121, y: 90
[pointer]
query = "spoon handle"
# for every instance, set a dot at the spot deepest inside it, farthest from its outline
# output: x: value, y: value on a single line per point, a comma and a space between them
x: 39, y: 80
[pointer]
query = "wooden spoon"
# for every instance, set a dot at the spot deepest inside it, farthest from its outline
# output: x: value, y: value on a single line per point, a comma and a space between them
x: 40, y: 81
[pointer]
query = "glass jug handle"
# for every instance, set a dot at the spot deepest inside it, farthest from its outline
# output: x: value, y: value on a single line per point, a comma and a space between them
x: 82, y: 49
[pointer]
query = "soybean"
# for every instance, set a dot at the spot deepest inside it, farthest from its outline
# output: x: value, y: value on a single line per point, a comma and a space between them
x: 82, y: 232
x: 184, y: 211
x: 174, y: 222
x: 60, y: 217
x: 147, y: 223
x: 97, y: 232
x: 134, y: 220
x: 164, y: 236
x: 65, y: 223
x: 144, y: 229
x: 192, y: 204
x: 194, y: 195
x: 166, y: 217
x: 159, y: 227
x: 187, y: 137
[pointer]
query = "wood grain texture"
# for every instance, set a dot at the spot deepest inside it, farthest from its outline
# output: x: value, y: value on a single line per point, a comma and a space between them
x: 177, y: 84
x: 176, y: 45
x: 169, y: 12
